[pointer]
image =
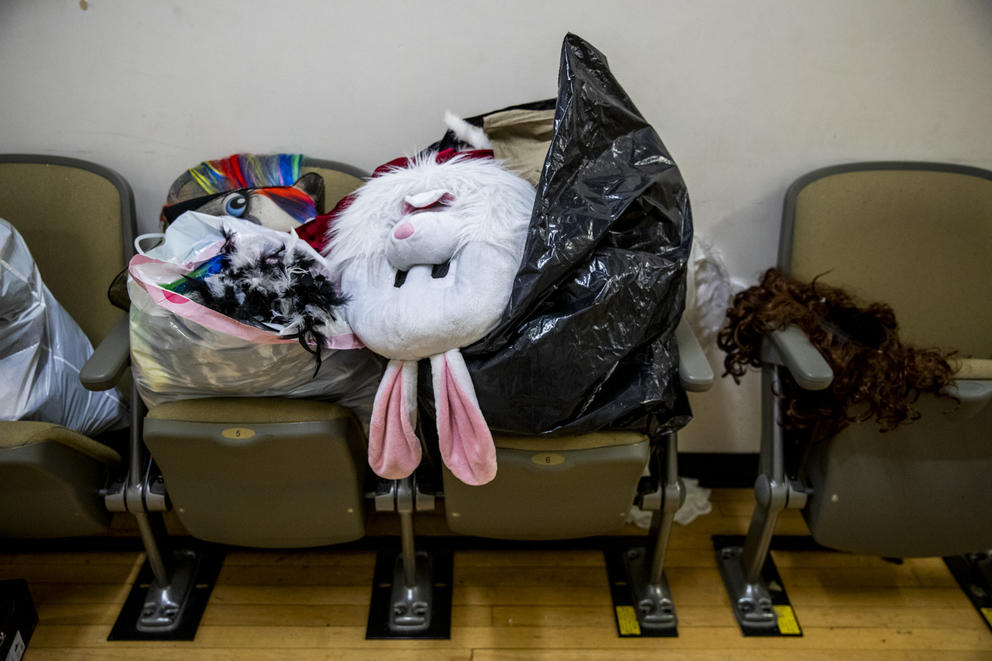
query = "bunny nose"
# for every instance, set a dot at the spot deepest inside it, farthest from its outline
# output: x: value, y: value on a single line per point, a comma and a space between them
x: 403, y: 230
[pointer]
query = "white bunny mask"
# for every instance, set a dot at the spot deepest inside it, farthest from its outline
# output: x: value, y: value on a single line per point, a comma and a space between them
x: 427, y: 251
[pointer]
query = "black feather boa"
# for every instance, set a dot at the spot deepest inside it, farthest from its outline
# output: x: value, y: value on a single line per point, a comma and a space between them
x: 280, y: 289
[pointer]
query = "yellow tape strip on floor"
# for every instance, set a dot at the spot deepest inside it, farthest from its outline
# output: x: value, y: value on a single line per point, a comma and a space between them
x: 788, y: 625
x: 627, y: 619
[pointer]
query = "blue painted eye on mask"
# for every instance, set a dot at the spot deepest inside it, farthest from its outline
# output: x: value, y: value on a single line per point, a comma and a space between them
x: 235, y: 205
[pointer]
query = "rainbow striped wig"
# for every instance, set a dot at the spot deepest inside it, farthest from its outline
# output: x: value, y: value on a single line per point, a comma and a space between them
x: 253, y: 177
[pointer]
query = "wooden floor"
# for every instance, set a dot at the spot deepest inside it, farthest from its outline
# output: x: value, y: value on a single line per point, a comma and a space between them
x: 514, y: 605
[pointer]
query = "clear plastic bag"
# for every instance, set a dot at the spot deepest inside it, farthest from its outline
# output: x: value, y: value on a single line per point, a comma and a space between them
x: 42, y: 350
x: 183, y: 350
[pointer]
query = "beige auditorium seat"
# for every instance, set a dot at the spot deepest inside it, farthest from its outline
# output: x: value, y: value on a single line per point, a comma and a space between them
x: 917, y: 236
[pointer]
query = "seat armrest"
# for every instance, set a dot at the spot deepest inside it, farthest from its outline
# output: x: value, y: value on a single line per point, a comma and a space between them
x: 791, y: 348
x: 695, y: 372
x: 972, y: 369
x: 107, y: 364
x: 972, y: 392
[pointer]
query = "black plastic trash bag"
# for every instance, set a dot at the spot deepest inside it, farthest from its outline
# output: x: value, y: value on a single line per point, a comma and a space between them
x: 588, y: 339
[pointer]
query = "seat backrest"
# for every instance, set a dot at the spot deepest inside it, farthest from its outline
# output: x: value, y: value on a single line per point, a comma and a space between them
x: 917, y: 236
x: 255, y: 471
x: 79, y: 223
x: 340, y: 179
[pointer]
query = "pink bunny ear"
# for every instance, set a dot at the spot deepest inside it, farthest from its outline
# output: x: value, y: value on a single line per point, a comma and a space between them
x: 394, y: 449
x: 464, y: 438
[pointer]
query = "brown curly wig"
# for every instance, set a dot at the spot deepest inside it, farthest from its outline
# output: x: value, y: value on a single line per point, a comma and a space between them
x: 875, y: 375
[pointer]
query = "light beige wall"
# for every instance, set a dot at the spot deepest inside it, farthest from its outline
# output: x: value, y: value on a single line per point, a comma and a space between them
x: 746, y: 95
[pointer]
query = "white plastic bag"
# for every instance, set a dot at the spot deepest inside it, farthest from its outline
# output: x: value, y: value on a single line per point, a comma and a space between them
x: 709, y: 290
x: 697, y: 503
x: 42, y: 350
x: 183, y: 350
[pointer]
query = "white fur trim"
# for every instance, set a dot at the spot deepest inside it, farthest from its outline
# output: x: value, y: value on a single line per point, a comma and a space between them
x: 490, y: 197
x: 488, y: 220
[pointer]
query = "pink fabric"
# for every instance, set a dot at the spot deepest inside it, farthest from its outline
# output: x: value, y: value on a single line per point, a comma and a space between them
x: 464, y: 438
x: 394, y: 449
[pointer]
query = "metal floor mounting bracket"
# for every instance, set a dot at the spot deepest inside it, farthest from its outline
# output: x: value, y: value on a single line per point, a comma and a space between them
x: 165, y: 603
x: 411, y: 593
x: 752, y: 602
x: 761, y: 605
x: 653, y: 600
x: 153, y: 611
x: 973, y: 572
x: 411, y: 604
x: 642, y: 600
